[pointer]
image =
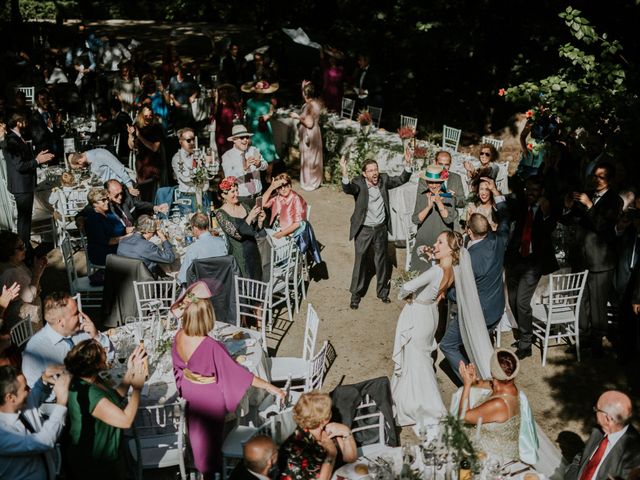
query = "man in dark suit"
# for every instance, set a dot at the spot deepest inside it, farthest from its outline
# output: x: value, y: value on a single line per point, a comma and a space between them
x: 367, y: 84
x: 595, y: 215
x: 139, y: 246
x: 530, y: 254
x: 486, y: 250
x: 613, y: 451
x: 260, y: 455
x: 21, y: 173
x: 45, y: 125
x: 371, y: 224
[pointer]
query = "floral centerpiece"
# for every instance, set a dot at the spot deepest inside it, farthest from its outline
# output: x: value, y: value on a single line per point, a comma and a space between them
x: 406, y: 133
x: 364, y: 119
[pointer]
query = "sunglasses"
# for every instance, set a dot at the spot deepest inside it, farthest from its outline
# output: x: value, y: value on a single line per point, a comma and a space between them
x: 104, y: 199
x: 284, y: 185
x: 189, y: 140
x: 485, y: 154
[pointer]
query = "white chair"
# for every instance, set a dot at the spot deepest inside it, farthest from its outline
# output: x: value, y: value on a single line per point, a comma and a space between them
x: 22, y: 331
x: 29, y: 94
x: 300, y: 272
x: 281, y: 412
x: 368, y: 417
x: 92, y: 296
x: 376, y: 115
x: 294, y: 368
x: 410, y: 122
x: 308, y: 212
x: 348, y: 105
x: 315, y: 374
x: 557, y: 318
x: 132, y: 160
x: 451, y: 137
x: 497, y: 143
x: 68, y: 203
x: 282, y: 270
x: 235, y: 440
x: 410, y: 240
x: 160, y: 437
x: 252, y: 304
x: 154, y: 298
x: 115, y: 142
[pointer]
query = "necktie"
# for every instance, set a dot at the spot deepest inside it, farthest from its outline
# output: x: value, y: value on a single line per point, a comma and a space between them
x: 595, y: 198
x: 525, y: 242
x: 193, y: 161
x: 122, y: 216
x: 68, y: 341
x: 588, y: 472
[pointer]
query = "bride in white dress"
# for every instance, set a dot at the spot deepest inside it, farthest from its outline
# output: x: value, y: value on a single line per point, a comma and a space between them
x: 413, y: 384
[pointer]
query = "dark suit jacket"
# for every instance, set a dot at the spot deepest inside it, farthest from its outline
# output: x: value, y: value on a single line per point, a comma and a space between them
x: 132, y: 207
x: 625, y: 245
x: 135, y: 246
x: 454, y: 184
x: 358, y: 188
x: 41, y: 136
x: 373, y: 84
x: 21, y: 164
x: 487, y: 260
x: 595, y: 234
x: 542, y: 251
x: 623, y: 457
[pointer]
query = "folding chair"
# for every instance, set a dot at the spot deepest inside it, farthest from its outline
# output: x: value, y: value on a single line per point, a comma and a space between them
x: 450, y: 137
x: 348, y: 105
x: 410, y: 122
x: 376, y: 115
x: 493, y: 141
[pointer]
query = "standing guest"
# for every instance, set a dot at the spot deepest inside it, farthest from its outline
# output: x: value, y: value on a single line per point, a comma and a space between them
x: 371, y: 224
x: 66, y: 326
x: 258, y: 113
x: 138, y: 245
x: 259, y: 69
x: 104, y: 230
x: 488, y: 157
x: 183, y: 164
x: 311, y: 169
x: 368, y: 84
x: 241, y: 227
x: 21, y: 173
x: 228, y: 111
x: 244, y: 163
x: 45, y: 125
x: 207, y: 377
x: 433, y: 213
x: 145, y: 137
x: 27, y: 440
x: 612, y: 451
x: 232, y: 66
x: 126, y: 87
x: 155, y: 96
x: 114, y: 54
x: 595, y: 215
x: 122, y: 121
x: 183, y: 93
x: 104, y: 165
x: 205, y: 246
x: 530, y: 254
x: 332, y: 78
x: 312, y: 449
x: 259, y: 458
x: 99, y: 413
x: 452, y: 181
x: 484, y: 204
x: 14, y: 271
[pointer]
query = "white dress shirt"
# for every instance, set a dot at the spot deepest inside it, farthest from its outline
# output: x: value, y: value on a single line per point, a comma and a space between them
x: 185, y: 184
x: 233, y: 166
x: 205, y: 246
x: 104, y: 165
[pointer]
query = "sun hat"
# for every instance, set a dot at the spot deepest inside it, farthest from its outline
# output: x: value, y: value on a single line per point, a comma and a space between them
x: 261, y: 86
x: 433, y: 173
x: 239, y: 131
x: 496, y: 370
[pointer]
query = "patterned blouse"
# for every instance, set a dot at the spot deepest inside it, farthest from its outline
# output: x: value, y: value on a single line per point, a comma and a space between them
x: 300, y: 457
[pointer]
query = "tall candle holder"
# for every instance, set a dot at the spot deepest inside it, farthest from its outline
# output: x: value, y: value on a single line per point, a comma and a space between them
x: 205, y: 169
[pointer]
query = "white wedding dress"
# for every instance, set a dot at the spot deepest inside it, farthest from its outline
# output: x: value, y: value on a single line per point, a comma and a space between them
x: 413, y: 384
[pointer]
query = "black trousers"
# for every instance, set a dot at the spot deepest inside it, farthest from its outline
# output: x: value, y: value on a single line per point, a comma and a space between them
x: 368, y: 237
x: 522, y: 280
x: 24, y: 204
x: 593, y: 311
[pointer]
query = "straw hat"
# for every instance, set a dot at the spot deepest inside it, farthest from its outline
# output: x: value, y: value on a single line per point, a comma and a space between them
x: 261, y: 86
x: 239, y: 131
x: 433, y: 173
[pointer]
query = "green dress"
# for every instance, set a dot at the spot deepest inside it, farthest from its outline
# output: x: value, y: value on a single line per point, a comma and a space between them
x: 262, y: 132
x: 93, y: 445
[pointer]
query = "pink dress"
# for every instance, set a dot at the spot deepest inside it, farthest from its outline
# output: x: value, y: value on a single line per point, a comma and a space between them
x: 289, y: 209
x: 332, y: 90
x: 311, y: 166
x: 208, y: 403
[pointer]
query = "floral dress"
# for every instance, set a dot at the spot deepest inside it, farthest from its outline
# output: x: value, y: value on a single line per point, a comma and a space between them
x: 300, y: 456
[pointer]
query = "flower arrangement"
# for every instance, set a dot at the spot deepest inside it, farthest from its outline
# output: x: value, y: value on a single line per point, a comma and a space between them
x: 227, y: 183
x: 364, y: 118
x: 406, y: 133
x: 420, y: 152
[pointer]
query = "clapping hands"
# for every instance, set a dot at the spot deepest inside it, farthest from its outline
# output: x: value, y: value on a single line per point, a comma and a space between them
x: 9, y: 294
x: 468, y: 373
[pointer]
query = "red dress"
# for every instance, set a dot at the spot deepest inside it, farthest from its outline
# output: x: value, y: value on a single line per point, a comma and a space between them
x: 226, y: 114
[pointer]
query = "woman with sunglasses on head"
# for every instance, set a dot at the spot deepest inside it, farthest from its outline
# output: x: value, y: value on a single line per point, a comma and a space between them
x: 103, y: 229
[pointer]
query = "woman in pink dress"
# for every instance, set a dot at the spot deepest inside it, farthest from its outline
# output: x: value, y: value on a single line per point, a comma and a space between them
x: 207, y: 377
x: 311, y: 167
x: 332, y: 78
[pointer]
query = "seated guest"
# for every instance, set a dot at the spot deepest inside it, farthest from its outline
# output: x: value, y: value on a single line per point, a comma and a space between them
x: 613, y: 450
x: 14, y: 270
x: 207, y: 377
x: 499, y: 410
x: 483, y: 204
x: 290, y: 210
x: 183, y: 163
x: 99, y: 413
x: 66, y: 326
x: 138, y: 245
x: 311, y: 450
x: 205, y: 246
x: 241, y: 226
x: 259, y: 457
x: 104, y: 230
x: 27, y: 441
x: 104, y: 165
x: 126, y: 207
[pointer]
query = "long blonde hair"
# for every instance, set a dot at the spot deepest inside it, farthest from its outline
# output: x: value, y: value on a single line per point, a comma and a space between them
x: 455, y: 242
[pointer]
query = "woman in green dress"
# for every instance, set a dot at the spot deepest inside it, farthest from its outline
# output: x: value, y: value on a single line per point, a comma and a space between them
x: 98, y: 413
x: 258, y: 114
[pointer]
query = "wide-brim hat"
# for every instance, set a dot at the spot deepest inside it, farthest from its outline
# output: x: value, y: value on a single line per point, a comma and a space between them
x: 196, y: 292
x: 239, y: 131
x: 261, y: 86
x: 433, y: 173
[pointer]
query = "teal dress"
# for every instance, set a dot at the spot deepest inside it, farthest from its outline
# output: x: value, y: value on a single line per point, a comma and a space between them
x: 262, y: 133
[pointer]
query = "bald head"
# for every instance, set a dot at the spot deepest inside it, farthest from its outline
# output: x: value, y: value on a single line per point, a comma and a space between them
x: 259, y: 454
x: 614, y: 411
x: 479, y: 226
